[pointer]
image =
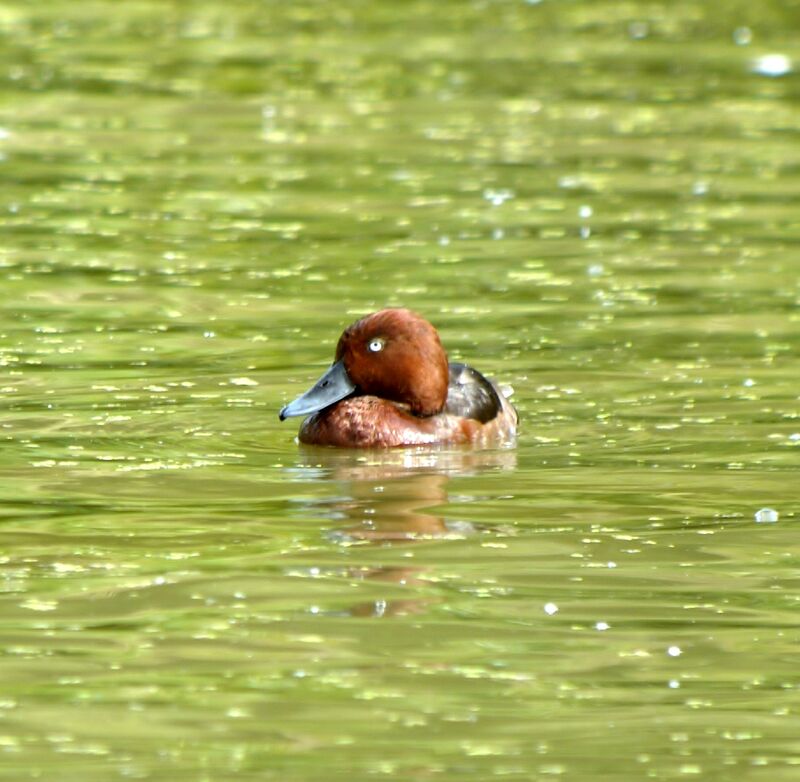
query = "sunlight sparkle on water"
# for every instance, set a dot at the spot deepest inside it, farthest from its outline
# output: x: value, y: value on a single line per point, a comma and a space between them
x: 766, y: 515
x: 773, y: 65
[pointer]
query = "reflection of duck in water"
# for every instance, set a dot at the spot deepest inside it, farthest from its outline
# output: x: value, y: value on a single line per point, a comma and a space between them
x: 395, y: 495
x: 391, y: 385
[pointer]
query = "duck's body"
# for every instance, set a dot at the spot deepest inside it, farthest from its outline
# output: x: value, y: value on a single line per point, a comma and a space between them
x: 391, y: 385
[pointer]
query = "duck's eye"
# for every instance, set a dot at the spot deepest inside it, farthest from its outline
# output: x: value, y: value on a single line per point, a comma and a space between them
x: 375, y: 345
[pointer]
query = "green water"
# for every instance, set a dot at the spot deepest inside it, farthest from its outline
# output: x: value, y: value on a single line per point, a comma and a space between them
x: 596, y: 202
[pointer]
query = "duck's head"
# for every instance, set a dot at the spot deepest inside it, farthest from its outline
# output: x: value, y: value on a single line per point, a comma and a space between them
x: 394, y: 354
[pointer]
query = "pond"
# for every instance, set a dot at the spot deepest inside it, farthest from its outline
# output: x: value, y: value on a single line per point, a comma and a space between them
x: 596, y: 203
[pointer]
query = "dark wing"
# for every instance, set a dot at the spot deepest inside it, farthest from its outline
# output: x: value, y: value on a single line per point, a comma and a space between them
x: 471, y: 395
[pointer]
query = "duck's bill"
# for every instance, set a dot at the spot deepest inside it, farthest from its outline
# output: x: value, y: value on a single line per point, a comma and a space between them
x: 334, y: 385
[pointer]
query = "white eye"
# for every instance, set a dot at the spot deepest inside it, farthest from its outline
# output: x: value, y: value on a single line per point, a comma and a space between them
x: 375, y: 345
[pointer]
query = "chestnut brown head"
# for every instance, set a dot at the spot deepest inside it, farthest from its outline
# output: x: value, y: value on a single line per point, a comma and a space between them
x: 396, y: 354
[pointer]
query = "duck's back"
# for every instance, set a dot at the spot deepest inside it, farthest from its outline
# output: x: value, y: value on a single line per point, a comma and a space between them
x: 471, y: 395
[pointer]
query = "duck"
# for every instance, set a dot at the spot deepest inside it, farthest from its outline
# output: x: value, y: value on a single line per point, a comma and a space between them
x: 391, y: 385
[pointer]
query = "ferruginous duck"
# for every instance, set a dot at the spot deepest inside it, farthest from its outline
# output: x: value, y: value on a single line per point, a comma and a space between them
x: 391, y: 385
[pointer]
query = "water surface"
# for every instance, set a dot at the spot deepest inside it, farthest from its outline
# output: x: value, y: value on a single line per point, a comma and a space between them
x: 594, y: 202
